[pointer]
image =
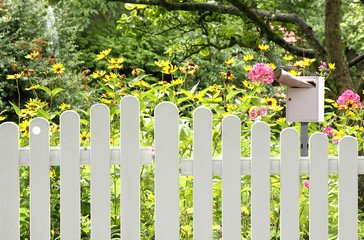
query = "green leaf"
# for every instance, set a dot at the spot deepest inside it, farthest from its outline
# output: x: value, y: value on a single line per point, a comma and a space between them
x: 16, y: 108
x: 193, y: 89
x: 83, y: 95
x: 42, y: 113
x: 56, y: 90
x: 47, y: 90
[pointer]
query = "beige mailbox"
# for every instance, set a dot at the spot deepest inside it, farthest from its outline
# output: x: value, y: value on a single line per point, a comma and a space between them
x: 304, y: 98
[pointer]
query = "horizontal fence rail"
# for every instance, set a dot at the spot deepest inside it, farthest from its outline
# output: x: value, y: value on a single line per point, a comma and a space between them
x: 168, y: 168
x: 186, y: 166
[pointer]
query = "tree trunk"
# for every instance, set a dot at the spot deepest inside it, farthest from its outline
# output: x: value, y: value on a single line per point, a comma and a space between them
x: 341, y: 75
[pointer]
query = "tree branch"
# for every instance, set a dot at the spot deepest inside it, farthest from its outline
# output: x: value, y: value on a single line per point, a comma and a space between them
x: 241, y: 10
x: 356, y: 60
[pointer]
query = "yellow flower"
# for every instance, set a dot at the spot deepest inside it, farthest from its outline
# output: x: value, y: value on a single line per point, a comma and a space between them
x: 288, y: 58
x: 26, y: 113
x: 58, y: 68
x: 24, y: 127
x: 248, y: 57
x: 169, y: 69
x: 33, y: 104
x: 2, y: 118
x: 15, y: 76
x: 196, y: 98
x: 341, y: 132
x: 282, y: 120
x: 64, y: 107
x: 162, y: 63
x: 332, y: 66
x: 116, y: 60
x: 163, y: 83
x: 33, y: 87
x: 263, y: 47
x: 272, y: 65
x: 102, y: 55
x: 189, y: 178
x: 232, y: 107
x: 115, y: 66
x: 98, y: 74
x: 112, y: 76
x: 248, y: 85
x: 136, y: 71
x: 360, y: 129
x: 351, y: 113
x: 107, y: 101
x: 52, y: 173
x: 178, y: 81
x: 270, y: 102
x: 32, y: 55
x: 248, y: 68
x: 293, y: 72
x: 227, y: 75
x: 189, y: 68
x: 277, y: 108
x: 84, y: 136
x: 142, y: 84
x: 230, y: 61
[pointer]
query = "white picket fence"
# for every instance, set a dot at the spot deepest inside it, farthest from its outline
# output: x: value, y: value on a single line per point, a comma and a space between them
x: 167, y: 171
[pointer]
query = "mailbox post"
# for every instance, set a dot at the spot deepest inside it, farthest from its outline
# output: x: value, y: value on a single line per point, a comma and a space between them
x: 304, y: 101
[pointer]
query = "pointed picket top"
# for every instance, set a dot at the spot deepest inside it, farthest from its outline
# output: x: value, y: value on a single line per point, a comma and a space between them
x: 70, y: 175
x: 348, y: 188
x: 202, y: 173
x: 290, y: 187
x: 231, y: 177
x: 130, y: 167
x: 9, y: 181
x: 260, y: 181
x: 318, y: 186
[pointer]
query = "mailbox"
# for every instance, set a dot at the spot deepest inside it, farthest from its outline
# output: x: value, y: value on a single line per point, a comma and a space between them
x: 304, y: 98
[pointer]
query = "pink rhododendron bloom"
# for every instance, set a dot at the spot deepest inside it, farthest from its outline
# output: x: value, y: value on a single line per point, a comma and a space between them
x: 307, y: 184
x: 261, y: 72
x: 256, y: 112
x: 334, y: 141
x: 328, y: 131
x: 349, y: 100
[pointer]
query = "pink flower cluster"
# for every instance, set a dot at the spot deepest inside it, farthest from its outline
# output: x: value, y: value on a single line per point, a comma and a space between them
x: 329, y: 132
x: 256, y: 112
x: 261, y: 72
x: 349, y: 100
x: 307, y: 184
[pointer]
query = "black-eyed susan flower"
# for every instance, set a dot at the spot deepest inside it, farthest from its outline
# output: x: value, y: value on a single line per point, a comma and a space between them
x: 177, y: 82
x: 227, y: 75
x: 98, y: 74
x: 248, y: 85
x: 270, y: 102
x: 33, y: 87
x: 24, y: 128
x: 137, y: 71
x: 64, y: 107
x: 32, y: 55
x: 15, y: 76
x: 332, y: 66
x: 116, y: 60
x: 230, y: 61
x: 169, y: 69
x: 102, y: 55
x: 26, y: 113
x: 263, y: 47
x: 162, y: 63
x: 288, y: 58
x: 84, y: 137
x: 282, y: 120
x: 248, y: 57
x: 58, y: 68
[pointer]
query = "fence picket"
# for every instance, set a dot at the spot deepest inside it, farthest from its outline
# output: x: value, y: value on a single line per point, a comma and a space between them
x: 70, y: 176
x: 166, y: 172
x: 130, y: 168
x: 289, y: 185
x: 39, y: 179
x: 9, y: 181
x: 202, y: 174
x: 260, y: 181
x: 318, y: 188
x: 348, y: 188
x: 100, y: 172
x: 231, y: 178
